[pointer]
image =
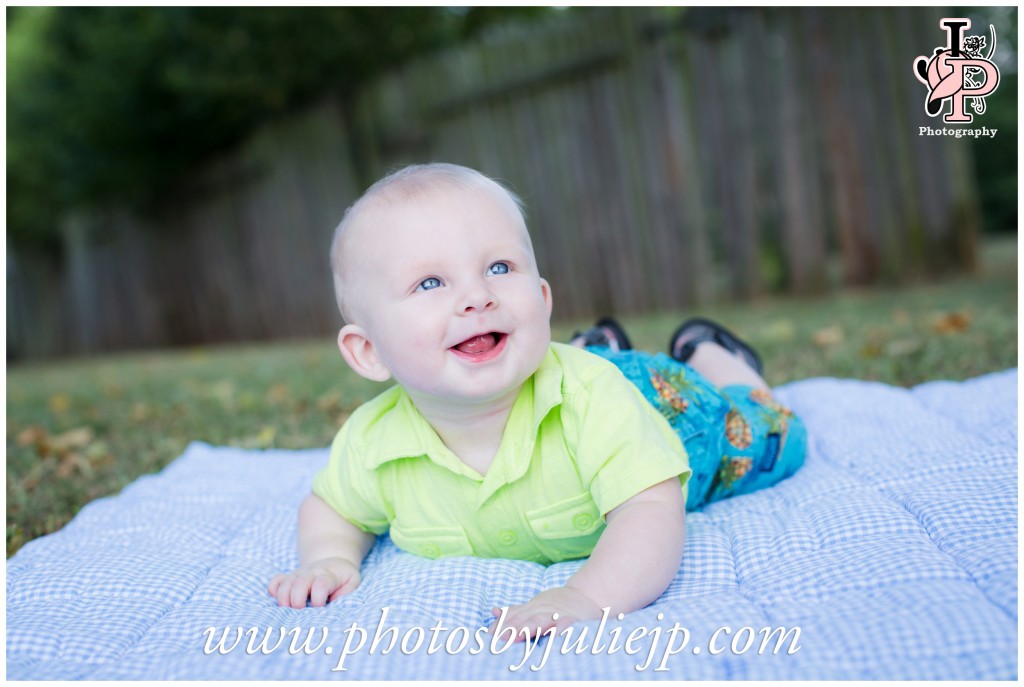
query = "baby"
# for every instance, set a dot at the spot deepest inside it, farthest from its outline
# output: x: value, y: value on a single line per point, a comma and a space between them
x: 497, y: 442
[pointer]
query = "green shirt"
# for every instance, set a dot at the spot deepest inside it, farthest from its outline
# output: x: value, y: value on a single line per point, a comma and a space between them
x: 579, y: 441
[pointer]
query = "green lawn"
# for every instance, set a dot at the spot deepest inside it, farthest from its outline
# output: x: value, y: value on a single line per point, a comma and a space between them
x: 81, y: 429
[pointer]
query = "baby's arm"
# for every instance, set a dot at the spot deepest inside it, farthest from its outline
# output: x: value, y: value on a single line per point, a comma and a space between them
x: 331, y: 550
x: 634, y: 561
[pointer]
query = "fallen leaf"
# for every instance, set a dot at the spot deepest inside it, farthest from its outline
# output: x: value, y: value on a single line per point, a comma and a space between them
x: 140, y: 411
x: 63, y: 444
x: 829, y: 336
x: 266, y: 437
x: 278, y: 394
x: 71, y: 463
x: 871, y: 349
x: 73, y: 438
x: 60, y: 402
x: 952, y: 322
x: 31, y: 435
x: 330, y: 401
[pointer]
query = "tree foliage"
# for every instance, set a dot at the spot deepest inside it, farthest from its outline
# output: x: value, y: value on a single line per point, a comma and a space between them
x: 109, y: 104
x: 995, y: 159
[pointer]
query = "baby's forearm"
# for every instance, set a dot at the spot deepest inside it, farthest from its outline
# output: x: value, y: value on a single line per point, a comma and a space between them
x: 638, y: 553
x: 331, y: 552
x: 325, y: 534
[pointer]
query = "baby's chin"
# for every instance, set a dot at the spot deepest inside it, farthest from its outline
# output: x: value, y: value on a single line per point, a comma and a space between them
x: 466, y: 399
x: 474, y: 395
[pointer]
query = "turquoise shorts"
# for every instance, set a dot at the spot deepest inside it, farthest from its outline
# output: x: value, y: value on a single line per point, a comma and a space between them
x: 739, y: 439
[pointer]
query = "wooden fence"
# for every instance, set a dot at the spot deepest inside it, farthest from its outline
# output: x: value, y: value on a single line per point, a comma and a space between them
x: 666, y: 157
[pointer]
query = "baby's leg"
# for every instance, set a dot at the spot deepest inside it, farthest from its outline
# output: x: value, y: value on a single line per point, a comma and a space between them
x: 724, y: 368
x: 737, y: 436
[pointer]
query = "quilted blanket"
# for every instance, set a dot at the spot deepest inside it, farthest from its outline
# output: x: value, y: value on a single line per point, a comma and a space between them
x: 891, y: 554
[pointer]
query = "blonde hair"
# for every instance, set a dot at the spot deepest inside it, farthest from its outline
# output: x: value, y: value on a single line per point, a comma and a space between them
x: 404, y: 185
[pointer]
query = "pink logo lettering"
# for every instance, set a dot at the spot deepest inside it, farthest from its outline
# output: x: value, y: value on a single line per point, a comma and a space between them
x: 958, y: 71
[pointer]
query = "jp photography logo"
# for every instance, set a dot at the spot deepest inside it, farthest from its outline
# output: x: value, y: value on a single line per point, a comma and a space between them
x: 958, y: 78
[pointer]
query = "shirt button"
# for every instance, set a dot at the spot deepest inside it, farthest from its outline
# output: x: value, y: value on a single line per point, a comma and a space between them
x: 431, y: 551
x: 508, y: 537
x: 582, y: 521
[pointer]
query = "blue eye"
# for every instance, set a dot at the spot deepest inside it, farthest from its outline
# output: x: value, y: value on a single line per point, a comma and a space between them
x: 428, y: 284
x: 498, y: 268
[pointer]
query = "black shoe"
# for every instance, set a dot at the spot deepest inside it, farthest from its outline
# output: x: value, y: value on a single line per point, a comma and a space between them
x: 698, y: 330
x: 605, y: 332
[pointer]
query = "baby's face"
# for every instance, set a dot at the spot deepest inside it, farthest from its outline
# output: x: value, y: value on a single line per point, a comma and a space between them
x: 447, y: 290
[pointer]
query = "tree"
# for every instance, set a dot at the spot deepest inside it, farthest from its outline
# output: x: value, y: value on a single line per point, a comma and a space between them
x: 110, y: 104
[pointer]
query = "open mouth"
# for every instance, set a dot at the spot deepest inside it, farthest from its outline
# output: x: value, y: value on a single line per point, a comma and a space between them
x: 481, y: 347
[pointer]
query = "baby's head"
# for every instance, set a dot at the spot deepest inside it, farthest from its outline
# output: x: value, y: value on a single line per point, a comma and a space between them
x: 435, y: 275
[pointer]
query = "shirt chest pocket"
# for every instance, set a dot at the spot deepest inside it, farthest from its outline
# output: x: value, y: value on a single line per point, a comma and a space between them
x: 567, y: 529
x: 431, y: 542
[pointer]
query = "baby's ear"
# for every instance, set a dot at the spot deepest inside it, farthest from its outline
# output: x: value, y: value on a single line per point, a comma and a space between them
x: 545, y: 290
x: 360, y: 354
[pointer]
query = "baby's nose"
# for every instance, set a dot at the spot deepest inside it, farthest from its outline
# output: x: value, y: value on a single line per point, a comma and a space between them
x: 478, y: 299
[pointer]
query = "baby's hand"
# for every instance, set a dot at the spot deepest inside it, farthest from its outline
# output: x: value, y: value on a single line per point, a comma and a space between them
x: 320, y: 582
x: 537, y: 615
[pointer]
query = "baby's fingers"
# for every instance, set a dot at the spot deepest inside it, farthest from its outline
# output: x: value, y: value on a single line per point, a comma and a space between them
x: 563, y: 624
x: 293, y: 591
x: 274, y: 583
x: 531, y: 628
x: 527, y: 622
x: 300, y: 591
x: 322, y: 587
x: 536, y: 625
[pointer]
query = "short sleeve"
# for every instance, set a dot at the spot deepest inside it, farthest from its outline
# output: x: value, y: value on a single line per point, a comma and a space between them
x: 624, y: 445
x: 348, y: 487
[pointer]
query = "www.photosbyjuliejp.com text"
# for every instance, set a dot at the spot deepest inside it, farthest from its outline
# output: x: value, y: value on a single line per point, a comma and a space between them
x: 664, y: 643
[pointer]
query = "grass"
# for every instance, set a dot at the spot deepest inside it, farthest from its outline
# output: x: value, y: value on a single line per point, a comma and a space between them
x: 81, y: 429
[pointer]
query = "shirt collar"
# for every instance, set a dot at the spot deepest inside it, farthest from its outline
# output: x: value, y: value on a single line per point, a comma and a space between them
x: 403, y: 432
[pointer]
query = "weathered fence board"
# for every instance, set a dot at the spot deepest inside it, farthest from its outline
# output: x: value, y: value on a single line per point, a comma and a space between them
x: 666, y: 156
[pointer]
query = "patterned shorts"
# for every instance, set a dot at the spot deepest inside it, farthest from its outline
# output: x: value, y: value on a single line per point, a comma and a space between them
x: 739, y: 439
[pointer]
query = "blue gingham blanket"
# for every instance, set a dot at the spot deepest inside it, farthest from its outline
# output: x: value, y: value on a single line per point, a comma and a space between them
x: 891, y: 554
